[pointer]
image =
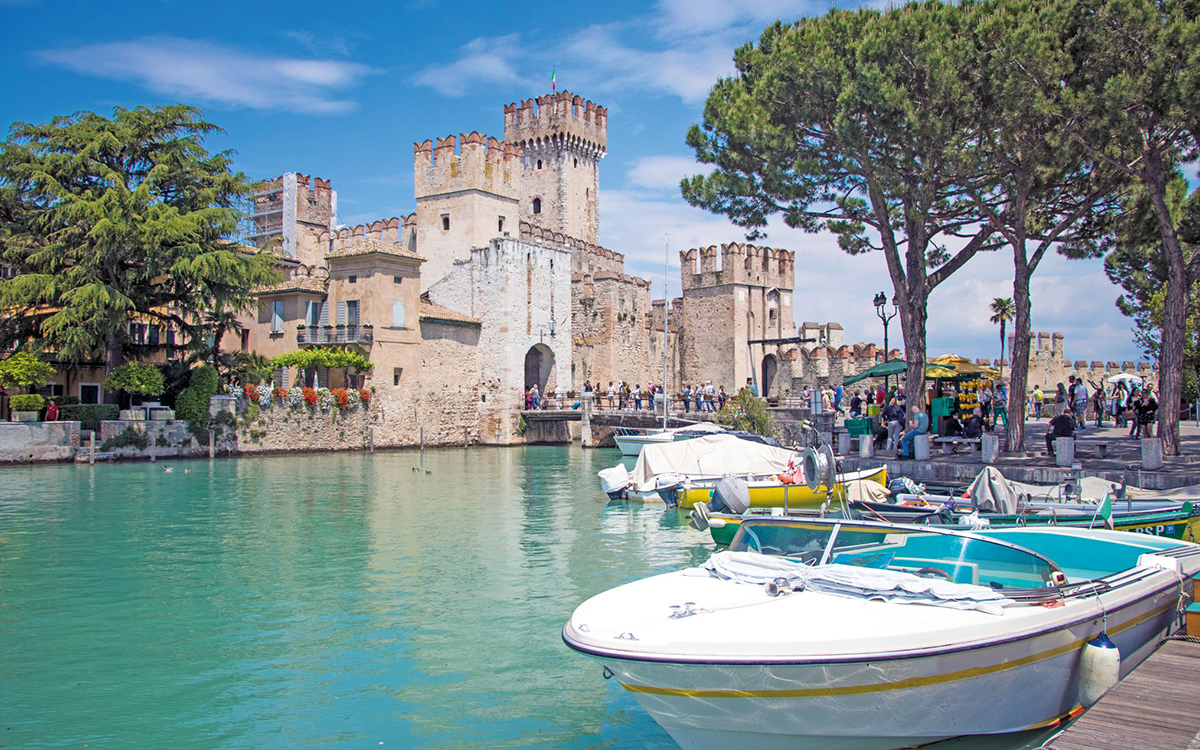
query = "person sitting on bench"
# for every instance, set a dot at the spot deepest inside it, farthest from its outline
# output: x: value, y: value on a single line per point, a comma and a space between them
x: 1061, y: 426
x: 918, y: 425
x: 951, y: 427
x: 974, y: 426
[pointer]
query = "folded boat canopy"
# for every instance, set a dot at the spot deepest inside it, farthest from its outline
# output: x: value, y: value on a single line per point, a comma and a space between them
x: 992, y: 492
x: 708, y: 456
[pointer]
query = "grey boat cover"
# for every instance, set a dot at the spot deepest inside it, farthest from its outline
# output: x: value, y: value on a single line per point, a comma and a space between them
x: 992, y: 493
x: 892, y: 586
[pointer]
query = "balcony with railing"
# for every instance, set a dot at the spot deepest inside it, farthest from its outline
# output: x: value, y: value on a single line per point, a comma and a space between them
x: 330, y: 335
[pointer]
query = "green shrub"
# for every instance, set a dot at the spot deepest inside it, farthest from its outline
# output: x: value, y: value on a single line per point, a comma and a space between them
x: 192, y: 404
x: 135, y: 377
x: 26, y: 402
x: 206, y: 378
x: 130, y: 438
x: 90, y: 415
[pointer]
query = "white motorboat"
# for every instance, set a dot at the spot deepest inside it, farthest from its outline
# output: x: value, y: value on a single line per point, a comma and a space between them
x: 704, y: 458
x: 823, y: 634
x: 631, y: 441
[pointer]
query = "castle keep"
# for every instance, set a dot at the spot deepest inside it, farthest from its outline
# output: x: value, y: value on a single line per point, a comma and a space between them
x: 496, y: 282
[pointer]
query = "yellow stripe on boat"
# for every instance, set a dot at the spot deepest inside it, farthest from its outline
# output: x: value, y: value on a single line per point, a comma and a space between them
x: 911, y: 682
x: 771, y: 494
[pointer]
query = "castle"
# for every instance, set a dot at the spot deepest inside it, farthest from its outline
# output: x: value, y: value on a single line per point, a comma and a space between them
x: 496, y: 282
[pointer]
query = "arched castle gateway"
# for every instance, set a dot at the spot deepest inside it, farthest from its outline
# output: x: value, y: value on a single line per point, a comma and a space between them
x: 496, y: 280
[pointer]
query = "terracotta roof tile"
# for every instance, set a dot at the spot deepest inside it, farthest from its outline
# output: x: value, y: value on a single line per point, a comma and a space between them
x: 430, y: 311
x: 295, y: 284
x: 371, y: 245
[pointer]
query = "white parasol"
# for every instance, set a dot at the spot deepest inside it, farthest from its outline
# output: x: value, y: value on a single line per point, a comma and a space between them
x: 1125, y: 378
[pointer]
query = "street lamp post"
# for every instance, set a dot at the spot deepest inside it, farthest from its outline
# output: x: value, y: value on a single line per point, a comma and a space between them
x: 881, y: 311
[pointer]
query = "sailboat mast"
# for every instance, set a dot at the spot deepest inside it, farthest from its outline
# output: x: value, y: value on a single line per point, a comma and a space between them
x: 666, y: 316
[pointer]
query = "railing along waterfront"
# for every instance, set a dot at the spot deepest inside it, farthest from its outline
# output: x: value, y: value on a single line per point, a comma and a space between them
x: 363, y: 334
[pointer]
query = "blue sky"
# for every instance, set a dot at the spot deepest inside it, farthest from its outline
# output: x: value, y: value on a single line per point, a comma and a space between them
x: 343, y: 91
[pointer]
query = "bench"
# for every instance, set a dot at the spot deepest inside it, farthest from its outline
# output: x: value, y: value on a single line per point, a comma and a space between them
x: 950, y: 444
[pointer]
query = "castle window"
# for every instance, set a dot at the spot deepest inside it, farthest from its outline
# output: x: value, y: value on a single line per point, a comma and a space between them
x: 500, y: 224
x: 539, y: 163
x: 395, y: 279
x: 577, y: 162
x: 398, y: 314
x: 537, y: 205
x: 352, y: 279
x: 245, y: 339
x: 277, y: 316
x: 445, y: 222
x: 396, y: 373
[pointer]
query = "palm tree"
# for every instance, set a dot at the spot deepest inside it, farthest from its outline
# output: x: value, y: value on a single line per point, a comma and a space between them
x: 1002, y: 312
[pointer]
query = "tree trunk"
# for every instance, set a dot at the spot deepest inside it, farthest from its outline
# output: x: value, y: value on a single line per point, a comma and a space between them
x: 913, y: 321
x: 1018, y: 371
x: 1175, y: 308
x: 1002, y: 331
x: 114, y: 357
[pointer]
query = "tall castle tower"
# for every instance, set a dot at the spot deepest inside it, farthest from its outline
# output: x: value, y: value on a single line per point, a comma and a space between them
x: 464, y: 198
x: 561, y: 142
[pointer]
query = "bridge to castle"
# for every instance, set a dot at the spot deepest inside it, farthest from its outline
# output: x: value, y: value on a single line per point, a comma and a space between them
x: 551, y: 424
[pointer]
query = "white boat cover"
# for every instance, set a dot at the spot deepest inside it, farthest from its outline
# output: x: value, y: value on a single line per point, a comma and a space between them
x: 891, y: 586
x: 1178, y: 494
x: 708, y: 456
x: 862, y: 489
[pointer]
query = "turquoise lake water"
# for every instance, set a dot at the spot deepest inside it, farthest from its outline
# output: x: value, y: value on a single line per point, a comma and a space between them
x: 331, y: 601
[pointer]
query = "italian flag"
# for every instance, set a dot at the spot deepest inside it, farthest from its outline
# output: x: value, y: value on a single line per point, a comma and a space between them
x: 1105, y: 511
x: 553, y: 83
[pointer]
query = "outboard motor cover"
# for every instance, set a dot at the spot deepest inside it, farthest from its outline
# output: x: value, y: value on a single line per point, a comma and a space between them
x: 730, y: 495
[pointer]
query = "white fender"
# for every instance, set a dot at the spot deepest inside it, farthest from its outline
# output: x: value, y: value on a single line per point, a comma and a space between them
x: 1099, y: 669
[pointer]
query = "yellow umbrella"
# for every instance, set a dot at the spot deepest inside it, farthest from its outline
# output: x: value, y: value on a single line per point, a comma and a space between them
x: 964, y: 366
x: 937, y: 371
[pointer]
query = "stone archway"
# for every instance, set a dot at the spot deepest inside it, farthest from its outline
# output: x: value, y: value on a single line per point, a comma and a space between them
x: 770, y: 369
x: 539, y: 369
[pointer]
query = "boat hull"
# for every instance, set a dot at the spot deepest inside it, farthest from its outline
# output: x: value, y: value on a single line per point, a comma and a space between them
x: 631, y: 445
x: 1170, y: 524
x: 774, y: 494
x: 891, y: 702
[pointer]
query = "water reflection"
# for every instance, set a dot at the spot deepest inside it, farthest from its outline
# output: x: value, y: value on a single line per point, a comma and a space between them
x: 320, y: 601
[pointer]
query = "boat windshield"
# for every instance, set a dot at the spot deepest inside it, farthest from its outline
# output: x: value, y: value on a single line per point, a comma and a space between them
x: 955, y: 557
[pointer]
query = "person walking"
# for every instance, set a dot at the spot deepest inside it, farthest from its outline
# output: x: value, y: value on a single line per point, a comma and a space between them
x: 985, y: 404
x: 1000, y: 405
x: 1147, y: 412
x: 1038, y: 399
x: 537, y: 399
x: 721, y: 398
x: 637, y: 397
x: 612, y: 395
x: 837, y: 400
x: 893, y: 417
x: 687, y: 402
x: 1060, y: 399
x: 1100, y: 404
x: 1133, y: 405
x: 1080, y: 403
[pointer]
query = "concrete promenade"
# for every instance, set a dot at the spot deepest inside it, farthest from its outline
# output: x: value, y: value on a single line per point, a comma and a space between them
x: 1122, y: 460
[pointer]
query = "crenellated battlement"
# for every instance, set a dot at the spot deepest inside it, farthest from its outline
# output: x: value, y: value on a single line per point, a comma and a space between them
x: 471, y: 161
x: 737, y: 263
x: 561, y: 119
x: 384, y: 230
x: 586, y: 257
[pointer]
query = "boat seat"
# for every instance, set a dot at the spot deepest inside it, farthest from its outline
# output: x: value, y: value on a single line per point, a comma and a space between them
x: 962, y: 572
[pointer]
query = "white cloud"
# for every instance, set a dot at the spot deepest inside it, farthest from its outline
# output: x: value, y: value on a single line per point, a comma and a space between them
x: 486, y: 60
x: 663, y: 172
x: 195, y: 69
x: 696, y: 17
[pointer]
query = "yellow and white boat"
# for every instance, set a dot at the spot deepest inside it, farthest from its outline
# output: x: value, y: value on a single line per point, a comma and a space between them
x: 770, y: 492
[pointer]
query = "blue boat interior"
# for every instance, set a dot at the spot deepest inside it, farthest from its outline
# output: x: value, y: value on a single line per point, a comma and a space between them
x: 1033, y: 561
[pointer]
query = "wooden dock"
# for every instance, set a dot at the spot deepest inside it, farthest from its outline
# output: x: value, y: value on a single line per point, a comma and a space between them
x: 1156, y: 708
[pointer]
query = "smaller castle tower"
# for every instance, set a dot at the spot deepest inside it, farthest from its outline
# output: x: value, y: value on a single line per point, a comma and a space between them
x: 294, y: 210
x: 465, y: 198
x: 734, y: 294
x: 561, y: 142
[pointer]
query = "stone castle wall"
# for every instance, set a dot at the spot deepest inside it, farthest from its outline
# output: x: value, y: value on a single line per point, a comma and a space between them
x: 1049, y: 366
x: 611, y: 318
